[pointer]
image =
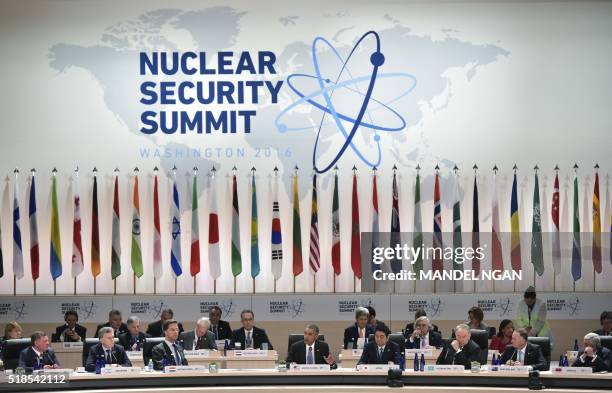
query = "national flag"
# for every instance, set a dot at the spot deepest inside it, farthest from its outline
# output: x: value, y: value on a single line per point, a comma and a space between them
x: 56, y: 244
x: 213, y: 230
x: 396, y: 263
x: 355, y: 231
x: 77, y: 244
x: 136, y: 254
x: 375, y: 224
x: 157, y: 255
x: 315, y: 263
x: 336, y: 228
x: 576, y: 247
x: 437, y: 263
x: 194, y: 265
x: 34, y: 257
x: 17, y: 251
x: 475, y: 226
x: 175, y: 252
x: 236, y: 257
x: 298, y: 266
x: 497, y: 257
x: 116, y: 234
x: 95, y: 231
x: 596, y: 225
x: 456, y: 222
x: 254, y: 231
x: 556, y: 236
x: 418, y: 225
x: 277, y: 239
x: 537, y: 253
x: 1, y: 257
x: 515, y: 230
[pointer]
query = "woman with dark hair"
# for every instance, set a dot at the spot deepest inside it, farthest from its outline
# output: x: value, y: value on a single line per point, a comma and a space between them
x: 503, y: 337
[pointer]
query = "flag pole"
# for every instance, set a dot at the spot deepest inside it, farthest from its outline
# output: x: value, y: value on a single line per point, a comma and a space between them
x: 54, y: 287
x: 593, y: 235
x: 275, y: 285
x: 475, y: 168
x: 134, y: 281
x: 14, y: 284
x: 354, y: 277
x: 437, y: 168
x: 175, y: 285
x: 15, y: 197
x: 114, y: 286
x: 558, y: 230
x: 394, y: 171
x: 514, y: 282
x: 418, y: 169
x: 75, y: 285
x: 495, y: 169
x: 215, y: 286
x: 234, y: 284
x: 455, y: 171
x: 95, y: 170
x: 574, y: 218
x: 194, y: 285
x: 254, y: 287
x: 535, y: 168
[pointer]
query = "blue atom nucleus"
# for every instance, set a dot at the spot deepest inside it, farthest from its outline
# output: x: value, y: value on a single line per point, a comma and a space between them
x: 327, y: 88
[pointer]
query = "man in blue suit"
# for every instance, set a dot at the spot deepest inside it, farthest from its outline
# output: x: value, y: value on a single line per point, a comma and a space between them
x: 38, y: 355
x: 106, y: 349
x: 381, y: 350
x: 360, y: 329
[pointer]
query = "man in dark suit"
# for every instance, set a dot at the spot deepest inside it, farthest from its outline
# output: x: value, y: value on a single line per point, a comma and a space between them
x: 594, y: 355
x: 221, y: 329
x: 311, y: 350
x: 605, y: 320
x: 134, y: 339
x: 106, y: 349
x: 115, y: 322
x: 381, y: 350
x: 410, y: 326
x: 70, y: 331
x: 423, y: 336
x: 249, y: 336
x: 38, y: 355
x: 155, y: 329
x: 169, y: 352
x: 523, y: 353
x: 462, y: 350
x: 360, y: 329
x: 372, y: 321
x: 199, y: 338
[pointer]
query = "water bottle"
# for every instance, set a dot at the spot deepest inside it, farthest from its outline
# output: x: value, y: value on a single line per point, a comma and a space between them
x: 165, y: 363
x: 561, y: 362
x: 416, y: 362
x: 576, y: 347
x: 422, y: 365
x: 565, y: 361
x: 402, y: 361
x: 225, y: 347
x: 99, y: 364
x: 150, y: 366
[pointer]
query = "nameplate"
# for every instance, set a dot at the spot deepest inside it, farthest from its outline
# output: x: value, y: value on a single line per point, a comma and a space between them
x: 356, y: 352
x: 251, y: 353
x: 511, y: 369
x: 185, y: 369
x: 426, y: 352
x: 198, y: 352
x: 309, y: 367
x: 573, y: 370
x: 134, y: 355
x: 75, y: 345
x: 448, y: 368
x: 66, y: 371
x: 221, y: 344
x: 377, y: 367
x: 120, y: 370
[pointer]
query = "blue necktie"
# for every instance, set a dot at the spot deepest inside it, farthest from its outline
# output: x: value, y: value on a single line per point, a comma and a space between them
x: 215, y: 332
x: 309, y: 357
x: 177, y: 358
x: 380, y: 354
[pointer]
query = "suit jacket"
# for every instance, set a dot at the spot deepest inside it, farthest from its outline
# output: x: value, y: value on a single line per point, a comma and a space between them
x: 351, y: 334
x: 603, y: 361
x: 162, y: 351
x: 224, y: 331
x: 533, y: 357
x: 57, y: 336
x: 410, y: 328
x: 156, y: 329
x: 297, y: 353
x: 28, y: 359
x: 391, y: 353
x: 259, y: 336
x: 435, y: 340
x: 122, y: 329
x: 206, y: 342
x: 468, y: 354
x: 600, y: 332
x: 126, y: 340
x: 118, y: 356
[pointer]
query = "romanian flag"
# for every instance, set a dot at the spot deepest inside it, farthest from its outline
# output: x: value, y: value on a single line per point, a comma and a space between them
x: 56, y: 245
x: 515, y: 230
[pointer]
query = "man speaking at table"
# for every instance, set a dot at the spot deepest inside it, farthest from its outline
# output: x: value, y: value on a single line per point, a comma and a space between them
x: 107, y: 349
x: 169, y: 352
x: 462, y: 350
x: 38, y: 355
x: 311, y: 350
x: 382, y: 350
x: 523, y: 353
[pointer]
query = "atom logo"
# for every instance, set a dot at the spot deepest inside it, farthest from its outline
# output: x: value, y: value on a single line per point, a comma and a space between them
x: 157, y: 308
x: 19, y: 310
x: 367, y: 302
x: 434, y: 307
x: 297, y: 307
x: 227, y: 308
x: 504, y: 307
x: 573, y: 307
x: 88, y: 310
x: 344, y: 81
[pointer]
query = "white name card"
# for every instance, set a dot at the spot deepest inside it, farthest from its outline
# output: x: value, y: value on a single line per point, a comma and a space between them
x: 134, y: 355
x: 512, y: 369
x: 120, y: 370
x: 198, y: 352
x: 573, y: 370
x: 251, y: 353
x: 356, y: 352
x: 426, y: 352
x: 452, y: 368
x: 308, y: 367
x: 184, y: 369
x: 66, y: 371
x: 221, y: 344
x: 377, y: 367
x: 69, y: 345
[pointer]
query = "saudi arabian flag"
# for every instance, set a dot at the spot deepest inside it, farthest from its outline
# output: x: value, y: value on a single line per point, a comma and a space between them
x: 537, y: 253
x: 136, y: 250
x: 236, y: 258
x: 418, y: 225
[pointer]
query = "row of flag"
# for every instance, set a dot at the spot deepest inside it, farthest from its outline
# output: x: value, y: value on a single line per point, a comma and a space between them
x: 314, y: 259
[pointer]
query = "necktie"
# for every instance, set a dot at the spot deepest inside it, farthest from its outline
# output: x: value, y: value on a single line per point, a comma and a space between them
x: 249, y: 341
x: 108, y: 357
x: 200, y: 343
x: 309, y: 357
x: 520, y: 357
x: 215, y: 332
x: 361, y: 333
x: 380, y: 354
x: 424, y: 342
x: 177, y: 358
